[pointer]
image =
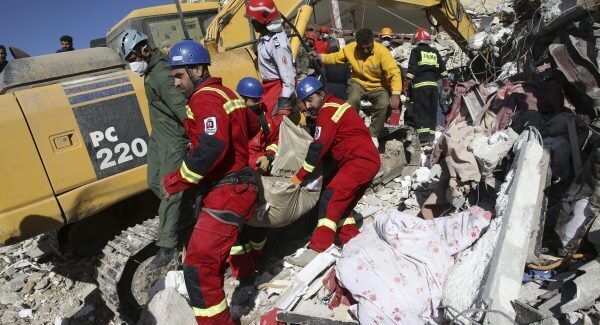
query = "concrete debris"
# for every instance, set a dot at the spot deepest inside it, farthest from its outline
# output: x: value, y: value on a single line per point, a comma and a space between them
x: 37, y: 288
x: 168, y: 307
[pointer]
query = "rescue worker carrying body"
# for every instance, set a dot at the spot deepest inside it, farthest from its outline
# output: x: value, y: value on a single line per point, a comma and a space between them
x: 425, y: 68
x: 168, y: 142
x: 275, y: 61
x: 373, y: 72
x: 219, y: 126
x: 262, y: 153
x: 341, y: 133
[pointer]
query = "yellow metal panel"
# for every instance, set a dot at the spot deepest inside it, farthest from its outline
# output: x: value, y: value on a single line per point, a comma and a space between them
x: 460, y: 31
x: 233, y: 65
x: 50, y: 115
x: 304, y: 15
x: 90, y: 199
x: 25, y: 195
x: 165, y: 10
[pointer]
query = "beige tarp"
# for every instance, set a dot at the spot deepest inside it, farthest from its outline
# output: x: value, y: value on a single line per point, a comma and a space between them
x: 285, y: 203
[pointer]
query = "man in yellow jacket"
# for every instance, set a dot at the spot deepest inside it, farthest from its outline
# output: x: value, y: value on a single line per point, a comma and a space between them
x: 374, y: 76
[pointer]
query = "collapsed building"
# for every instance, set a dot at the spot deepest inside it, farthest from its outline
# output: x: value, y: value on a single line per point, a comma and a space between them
x: 507, y: 193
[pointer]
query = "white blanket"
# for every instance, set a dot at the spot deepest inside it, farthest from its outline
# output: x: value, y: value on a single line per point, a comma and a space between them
x: 396, y: 267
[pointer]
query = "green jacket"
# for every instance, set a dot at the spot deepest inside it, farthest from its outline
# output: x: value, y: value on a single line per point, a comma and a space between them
x: 166, y: 103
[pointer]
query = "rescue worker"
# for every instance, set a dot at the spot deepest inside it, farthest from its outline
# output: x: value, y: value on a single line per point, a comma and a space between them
x: 252, y: 240
x: 218, y: 126
x: 168, y: 143
x: 340, y: 133
x: 386, y: 37
x: 275, y: 62
x: 425, y: 68
x: 261, y: 155
x: 305, y: 65
x: 373, y: 72
x: 322, y: 42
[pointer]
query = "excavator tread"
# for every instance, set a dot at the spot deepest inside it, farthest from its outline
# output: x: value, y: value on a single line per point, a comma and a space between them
x: 116, y: 254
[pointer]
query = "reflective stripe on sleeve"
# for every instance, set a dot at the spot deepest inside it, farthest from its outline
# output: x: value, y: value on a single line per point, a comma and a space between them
x: 189, y: 175
x: 211, y: 311
x: 308, y: 167
x: 232, y: 105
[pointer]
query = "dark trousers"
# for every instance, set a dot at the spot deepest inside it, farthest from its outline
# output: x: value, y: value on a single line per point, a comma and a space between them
x: 426, y: 101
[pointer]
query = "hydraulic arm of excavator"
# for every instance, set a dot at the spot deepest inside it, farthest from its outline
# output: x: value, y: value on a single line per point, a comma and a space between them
x: 227, y: 29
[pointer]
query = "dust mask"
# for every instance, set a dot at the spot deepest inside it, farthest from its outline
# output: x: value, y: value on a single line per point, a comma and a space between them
x: 139, y: 67
x: 386, y: 43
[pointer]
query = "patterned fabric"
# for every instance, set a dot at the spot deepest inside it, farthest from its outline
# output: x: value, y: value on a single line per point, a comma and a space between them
x: 396, y: 267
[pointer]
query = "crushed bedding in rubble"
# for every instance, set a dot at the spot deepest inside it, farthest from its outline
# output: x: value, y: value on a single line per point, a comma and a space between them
x: 396, y: 267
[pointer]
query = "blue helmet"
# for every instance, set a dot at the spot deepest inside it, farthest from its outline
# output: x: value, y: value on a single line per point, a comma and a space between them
x: 188, y: 53
x: 307, y: 87
x: 250, y: 87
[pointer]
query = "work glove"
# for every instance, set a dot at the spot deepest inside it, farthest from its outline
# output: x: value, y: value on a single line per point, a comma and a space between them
x: 295, y: 180
x: 263, y: 163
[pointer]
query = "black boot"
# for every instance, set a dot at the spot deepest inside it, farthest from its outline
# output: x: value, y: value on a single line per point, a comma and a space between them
x: 164, y: 256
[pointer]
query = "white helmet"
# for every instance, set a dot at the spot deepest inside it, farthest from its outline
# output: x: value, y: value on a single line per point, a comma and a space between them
x: 128, y: 40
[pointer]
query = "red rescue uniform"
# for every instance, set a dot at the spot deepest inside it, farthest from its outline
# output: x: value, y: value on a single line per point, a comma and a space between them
x: 219, y: 126
x: 341, y: 132
x: 267, y: 139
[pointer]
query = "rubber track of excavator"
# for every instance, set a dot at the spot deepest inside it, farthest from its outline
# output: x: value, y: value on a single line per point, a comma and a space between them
x: 117, y: 253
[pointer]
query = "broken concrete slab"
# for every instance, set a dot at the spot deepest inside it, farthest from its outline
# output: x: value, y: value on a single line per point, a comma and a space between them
x: 520, y: 221
x: 306, y: 276
x: 584, y: 290
x: 168, y: 307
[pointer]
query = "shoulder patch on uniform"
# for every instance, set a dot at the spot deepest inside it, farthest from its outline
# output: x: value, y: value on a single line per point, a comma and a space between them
x: 210, y: 125
x: 276, y: 42
x: 317, y: 132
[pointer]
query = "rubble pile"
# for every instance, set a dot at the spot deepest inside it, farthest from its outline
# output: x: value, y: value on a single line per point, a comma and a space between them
x: 40, y: 286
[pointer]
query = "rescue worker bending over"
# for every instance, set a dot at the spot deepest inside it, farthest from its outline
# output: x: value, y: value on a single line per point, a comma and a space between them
x: 275, y: 62
x: 340, y: 132
x: 218, y: 125
x: 168, y: 142
x: 373, y: 71
x: 425, y: 68
x: 264, y: 147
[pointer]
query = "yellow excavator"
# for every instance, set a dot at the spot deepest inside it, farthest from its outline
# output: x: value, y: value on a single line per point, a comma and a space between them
x: 75, y: 126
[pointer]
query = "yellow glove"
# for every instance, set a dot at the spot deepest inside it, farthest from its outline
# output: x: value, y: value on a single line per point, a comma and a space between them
x: 263, y: 163
x: 295, y: 180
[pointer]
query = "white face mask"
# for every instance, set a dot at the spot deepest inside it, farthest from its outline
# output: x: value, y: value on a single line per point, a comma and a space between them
x: 386, y: 43
x: 139, y: 67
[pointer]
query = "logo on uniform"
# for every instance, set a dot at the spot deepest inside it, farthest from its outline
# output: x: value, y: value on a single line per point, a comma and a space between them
x: 210, y: 125
x: 317, y: 132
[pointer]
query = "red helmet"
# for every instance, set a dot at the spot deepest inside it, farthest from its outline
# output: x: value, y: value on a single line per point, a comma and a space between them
x: 422, y: 35
x: 310, y: 35
x: 324, y: 30
x: 263, y: 11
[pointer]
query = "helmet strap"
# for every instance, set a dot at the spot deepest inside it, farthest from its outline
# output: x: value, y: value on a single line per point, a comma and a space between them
x: 196, y: 81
